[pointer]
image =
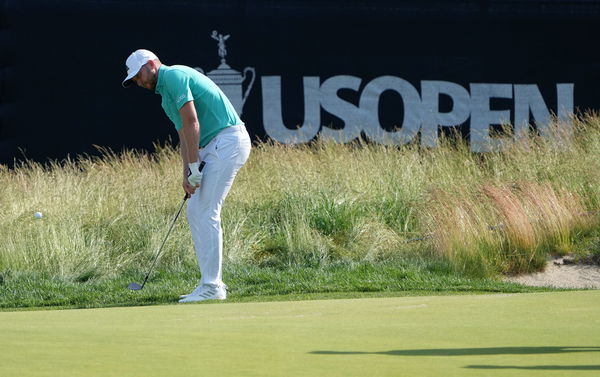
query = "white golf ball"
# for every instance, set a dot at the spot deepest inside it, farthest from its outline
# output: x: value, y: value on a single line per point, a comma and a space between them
x: 37, y: 215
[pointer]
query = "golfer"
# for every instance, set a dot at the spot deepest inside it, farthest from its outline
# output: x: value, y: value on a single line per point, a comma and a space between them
x: 210, y: 131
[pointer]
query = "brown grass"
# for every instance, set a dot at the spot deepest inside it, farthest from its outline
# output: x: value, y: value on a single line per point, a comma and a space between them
x: 506, y: 228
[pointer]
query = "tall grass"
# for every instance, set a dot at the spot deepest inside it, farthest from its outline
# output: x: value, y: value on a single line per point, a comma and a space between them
x: 311, y: 205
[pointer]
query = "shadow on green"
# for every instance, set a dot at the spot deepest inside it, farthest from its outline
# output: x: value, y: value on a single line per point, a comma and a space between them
x: 487, y: 352
x: 468, y: 351
x: 537, y: 367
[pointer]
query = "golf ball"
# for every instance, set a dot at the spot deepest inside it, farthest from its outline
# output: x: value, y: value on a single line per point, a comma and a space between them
x: 37, y: 215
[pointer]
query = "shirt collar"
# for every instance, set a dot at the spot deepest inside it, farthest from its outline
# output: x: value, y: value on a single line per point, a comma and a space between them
x: 160, y: 79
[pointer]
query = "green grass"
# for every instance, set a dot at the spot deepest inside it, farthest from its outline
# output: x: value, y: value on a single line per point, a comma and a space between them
x: 247, y: 282
x: 302, y: 214
x: 525, y: 335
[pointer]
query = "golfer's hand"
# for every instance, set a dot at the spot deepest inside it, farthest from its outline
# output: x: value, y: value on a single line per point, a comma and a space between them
x: 195, y: 175
x: 189, y: 189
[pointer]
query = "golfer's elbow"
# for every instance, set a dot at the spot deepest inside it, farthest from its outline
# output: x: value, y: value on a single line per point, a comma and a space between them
x: 191, y: 125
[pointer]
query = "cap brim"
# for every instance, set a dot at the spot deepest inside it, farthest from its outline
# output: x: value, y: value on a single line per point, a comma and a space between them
x: 128, y: 80
x: 127, y: 83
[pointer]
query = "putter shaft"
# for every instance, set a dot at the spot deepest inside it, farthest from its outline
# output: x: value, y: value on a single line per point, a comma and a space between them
x: 137, y: 287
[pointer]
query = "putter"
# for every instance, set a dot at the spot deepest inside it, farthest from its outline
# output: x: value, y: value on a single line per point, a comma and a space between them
x: 136, y: 286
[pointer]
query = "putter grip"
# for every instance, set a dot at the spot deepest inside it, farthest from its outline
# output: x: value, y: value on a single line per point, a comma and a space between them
x: 202, y: 163
x: 200, y: 167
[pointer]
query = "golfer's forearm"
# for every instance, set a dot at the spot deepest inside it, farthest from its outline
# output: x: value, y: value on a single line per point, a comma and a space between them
x: 184, y: 158
x: 191, y: 132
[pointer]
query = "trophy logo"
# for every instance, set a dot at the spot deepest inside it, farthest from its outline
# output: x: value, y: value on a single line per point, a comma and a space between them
x: 228, y: 79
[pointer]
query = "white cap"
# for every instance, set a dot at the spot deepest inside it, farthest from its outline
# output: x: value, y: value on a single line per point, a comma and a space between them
x: 134, y: 63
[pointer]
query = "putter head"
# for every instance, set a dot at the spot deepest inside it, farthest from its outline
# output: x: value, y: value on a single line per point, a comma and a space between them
x: 134, y: 287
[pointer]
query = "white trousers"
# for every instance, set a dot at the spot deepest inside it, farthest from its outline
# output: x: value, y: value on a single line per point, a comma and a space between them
x: 223, y: 157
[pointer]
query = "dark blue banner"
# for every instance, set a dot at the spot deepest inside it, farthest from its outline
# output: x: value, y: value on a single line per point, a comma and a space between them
x: 392, y: 72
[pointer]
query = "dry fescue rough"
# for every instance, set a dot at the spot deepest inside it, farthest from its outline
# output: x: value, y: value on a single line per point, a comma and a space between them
x: 313, y: 204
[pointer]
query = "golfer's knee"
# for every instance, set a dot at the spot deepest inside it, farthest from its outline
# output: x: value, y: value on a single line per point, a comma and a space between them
x: 205, y: 219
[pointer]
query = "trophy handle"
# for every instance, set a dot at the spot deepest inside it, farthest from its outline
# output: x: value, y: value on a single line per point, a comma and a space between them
x: 248, y: 69
x: 199, y: 70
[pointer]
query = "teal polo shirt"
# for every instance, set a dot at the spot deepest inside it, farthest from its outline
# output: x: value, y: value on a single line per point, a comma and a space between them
x: 179, y: 84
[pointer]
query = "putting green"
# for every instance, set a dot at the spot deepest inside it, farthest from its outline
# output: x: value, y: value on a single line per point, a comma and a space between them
x: 542, y: 334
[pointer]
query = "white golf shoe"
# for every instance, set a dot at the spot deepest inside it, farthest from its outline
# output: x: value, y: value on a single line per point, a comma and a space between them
x: 206, y: 292
x: 194, y: 292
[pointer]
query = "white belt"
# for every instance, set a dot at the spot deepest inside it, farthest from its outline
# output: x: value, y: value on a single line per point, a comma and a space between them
x: 231, y: 129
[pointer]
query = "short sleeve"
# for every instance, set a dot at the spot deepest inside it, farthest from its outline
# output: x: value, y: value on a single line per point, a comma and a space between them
x: 178, y: 88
